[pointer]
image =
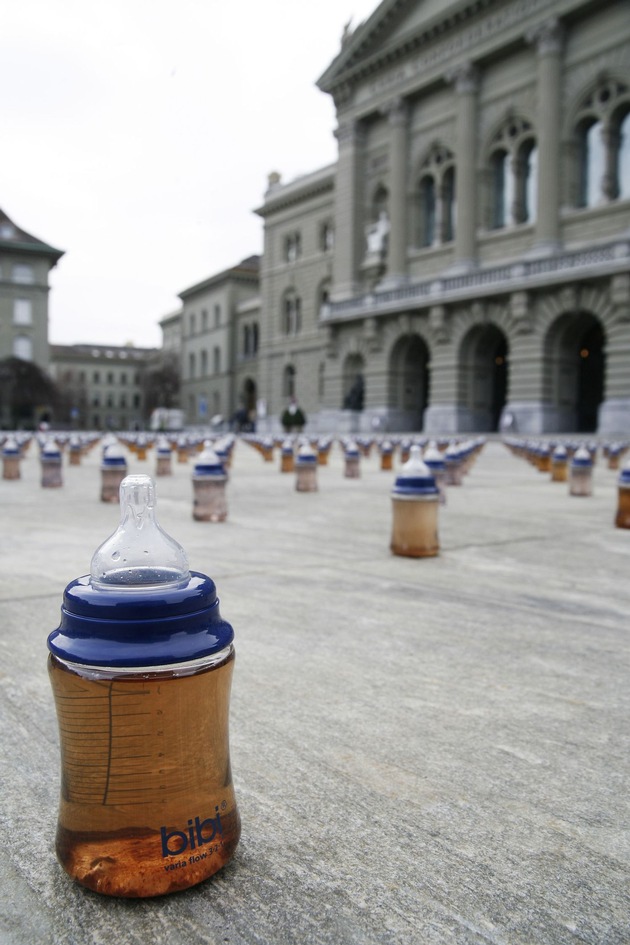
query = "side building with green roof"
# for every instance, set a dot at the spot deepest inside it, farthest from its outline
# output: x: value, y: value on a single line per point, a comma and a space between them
x: 25, y: 264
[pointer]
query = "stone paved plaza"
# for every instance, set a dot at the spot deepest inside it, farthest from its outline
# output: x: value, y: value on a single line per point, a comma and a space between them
x: 424, y: 751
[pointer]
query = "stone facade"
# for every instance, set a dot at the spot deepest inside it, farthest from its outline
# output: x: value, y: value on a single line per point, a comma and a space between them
x: 468, y: 256
x: 103, y: 385
x: 296, y: 276
x: 219, y: 343
x: 25, y: 263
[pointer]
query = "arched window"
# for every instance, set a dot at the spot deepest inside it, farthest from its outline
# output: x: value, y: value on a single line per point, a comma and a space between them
x: 291, y: 313
x: 530, y: 183
x: 524, y: 183
x: 323, y: 295
x: 602, y: 130
x: 427, y: 211
x: 513, y: 174
x: 501, y: 189
x: 623, y: 157
x: 449, y: 204
x: 436, y: 198
x: 591, y: 163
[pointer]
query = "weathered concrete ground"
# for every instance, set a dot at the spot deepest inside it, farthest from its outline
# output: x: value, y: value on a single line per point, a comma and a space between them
x: 424, y: 751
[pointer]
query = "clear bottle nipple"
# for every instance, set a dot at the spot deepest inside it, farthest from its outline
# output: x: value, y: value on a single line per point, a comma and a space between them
x: 415, y: 466
x: 139, y: 553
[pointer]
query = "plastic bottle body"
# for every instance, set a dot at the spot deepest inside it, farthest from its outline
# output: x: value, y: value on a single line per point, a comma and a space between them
x: 559, y: 469
x: 581, y: 480
x: 147, y: 802
x: 415, y: 526
x: 622, y: 516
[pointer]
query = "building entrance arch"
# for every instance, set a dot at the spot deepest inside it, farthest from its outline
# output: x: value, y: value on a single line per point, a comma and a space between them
x: 354, y: 382
x: 575, y: 367
x: 245, y: 416
x: 483, y: 378
x: 409, y: 383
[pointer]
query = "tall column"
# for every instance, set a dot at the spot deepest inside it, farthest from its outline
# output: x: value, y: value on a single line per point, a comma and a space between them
x: 397, y: 114
x: 466, y: 84
x: 346, y: 252
x: 548, y: 38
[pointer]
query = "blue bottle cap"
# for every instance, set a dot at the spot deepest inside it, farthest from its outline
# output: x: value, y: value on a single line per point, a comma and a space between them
x: 50, y: 452
x: 624, y: 476
x: 305, y: 455
x: 10, y: 447
x: 433, y: 458
x: 140, y: 605
x: 582, y: 458
x: 114, y: 458
x: 209, y: 464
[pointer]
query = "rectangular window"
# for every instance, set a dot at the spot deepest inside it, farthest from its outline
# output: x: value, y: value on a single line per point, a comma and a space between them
x: 23, y: 274
x: 23, y: 348
x: 217, y: 316
x: 96, y: 377
x: 22, y: 312
x: 110, y: 377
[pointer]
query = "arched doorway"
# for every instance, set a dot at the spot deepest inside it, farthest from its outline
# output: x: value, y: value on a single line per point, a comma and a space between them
x: 353, y: 382
x: 246, y: 414
x: 483, y: 378
x: 575, y: 366
x: 409, y: 383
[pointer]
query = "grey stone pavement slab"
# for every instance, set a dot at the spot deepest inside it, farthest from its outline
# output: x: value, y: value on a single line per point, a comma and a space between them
x: 424, y: 751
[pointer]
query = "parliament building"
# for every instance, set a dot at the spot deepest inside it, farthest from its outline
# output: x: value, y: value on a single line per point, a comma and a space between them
x: 465, y: 264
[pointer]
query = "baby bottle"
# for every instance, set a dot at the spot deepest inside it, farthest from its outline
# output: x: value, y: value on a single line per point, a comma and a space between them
x: 141, y: 668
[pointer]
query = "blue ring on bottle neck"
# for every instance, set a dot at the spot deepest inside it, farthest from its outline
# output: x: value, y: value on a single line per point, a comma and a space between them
x: 140, y: 626
x: 209, y: 469
x: 415, y: 485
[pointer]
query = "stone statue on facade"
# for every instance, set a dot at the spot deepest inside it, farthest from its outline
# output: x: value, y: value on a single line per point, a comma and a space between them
x: 376, y: 235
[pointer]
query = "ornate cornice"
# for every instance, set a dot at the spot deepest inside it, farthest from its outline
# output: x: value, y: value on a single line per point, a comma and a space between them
x: 356, y: 61
x: 303, y: 188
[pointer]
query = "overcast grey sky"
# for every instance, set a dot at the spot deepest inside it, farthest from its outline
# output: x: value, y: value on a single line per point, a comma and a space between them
x: 138, y: 136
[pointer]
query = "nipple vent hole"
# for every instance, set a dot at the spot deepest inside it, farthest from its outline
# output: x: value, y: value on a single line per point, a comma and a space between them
x: 115, y: 555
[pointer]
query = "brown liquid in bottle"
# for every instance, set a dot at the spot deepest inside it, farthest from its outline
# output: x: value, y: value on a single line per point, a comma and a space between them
x: 147, y: 801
